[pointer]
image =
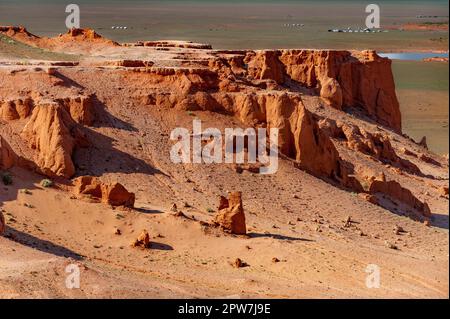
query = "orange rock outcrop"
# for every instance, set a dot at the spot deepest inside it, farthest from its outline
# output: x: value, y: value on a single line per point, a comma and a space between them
x: 114, y: 194
x: 7, y: 155
x: 15, y: 109
x: 343, y: 79
x: 143, y: 240
x: 231, y: 215
x: 53, y: 133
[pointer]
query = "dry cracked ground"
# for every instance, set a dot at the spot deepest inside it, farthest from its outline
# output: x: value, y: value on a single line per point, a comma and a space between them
x: 84, y: 157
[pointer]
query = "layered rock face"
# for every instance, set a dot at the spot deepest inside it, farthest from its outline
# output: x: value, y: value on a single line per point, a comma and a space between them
x: 344, y: 79
x: 80, y: 108
x: 54, y: 134
x: 376, y: 145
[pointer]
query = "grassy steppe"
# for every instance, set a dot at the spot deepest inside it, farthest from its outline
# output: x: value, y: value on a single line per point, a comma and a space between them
x: 423, y: 92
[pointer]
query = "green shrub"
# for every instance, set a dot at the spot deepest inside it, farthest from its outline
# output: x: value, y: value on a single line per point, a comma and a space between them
x: 7, y: 179
x: 46, y: 183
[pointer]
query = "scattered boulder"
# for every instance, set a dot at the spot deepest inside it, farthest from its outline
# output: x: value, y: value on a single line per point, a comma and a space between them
x: 88, y: 185
x: 238, y: 263
x: 444, y: 191
x: 398, y: 230
x: 180, y: 214
x: 348, y: 221
x: 231, y: 215
x: 143, y: 240
x: 390, y: 245
x: 114, y: 194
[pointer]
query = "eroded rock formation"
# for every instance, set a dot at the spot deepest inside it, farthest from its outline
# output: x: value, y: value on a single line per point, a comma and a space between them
x: 143, y: 240
x: 53, y: 133
x: 114, y: 194
x: 398, y: 194
x: 80, y: 107
x: 7, y: 155
x: 376, y: 145
x: 344, y: 79
x: 14, y: 109
x: 231, y: 215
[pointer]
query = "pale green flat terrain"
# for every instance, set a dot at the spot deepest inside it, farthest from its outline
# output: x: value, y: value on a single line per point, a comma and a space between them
x: 11, y: 49
x: 422, y: 89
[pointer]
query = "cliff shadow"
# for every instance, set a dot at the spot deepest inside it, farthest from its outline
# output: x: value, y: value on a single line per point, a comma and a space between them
x: 278, y: 237
x: 40, y: 244
x: 68, y: 82
x: 21, y: 180
x: 439, y: 220
x: 105, y: 119
x: 160, y: 246
x: 102, y: 157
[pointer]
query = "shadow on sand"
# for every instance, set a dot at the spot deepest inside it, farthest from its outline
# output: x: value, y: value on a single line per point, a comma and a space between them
x: 438, y: 220
x: 40, y: 244
x: 160, y: 246
x: 279, y: 237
